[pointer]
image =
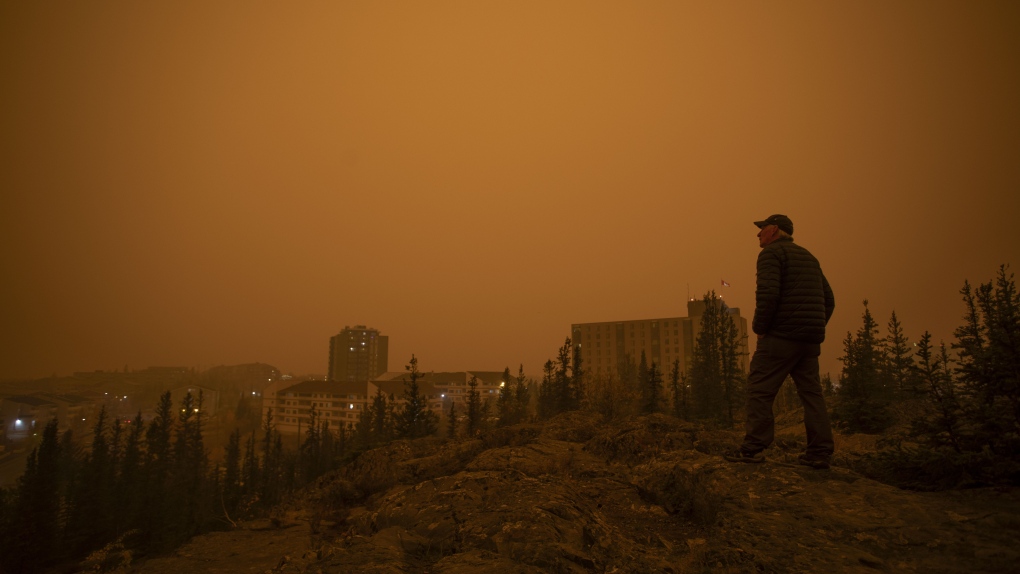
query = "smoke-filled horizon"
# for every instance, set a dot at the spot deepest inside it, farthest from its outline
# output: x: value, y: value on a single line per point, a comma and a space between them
x: 199, y: 185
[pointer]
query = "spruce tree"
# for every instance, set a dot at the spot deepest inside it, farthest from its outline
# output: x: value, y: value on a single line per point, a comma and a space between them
x: 475, y: 412
x: 941, y: 424
x: 861, y: 404
x: 231, y: 485
x: 707, y: 364
x: 310, y: 454
x: 547, y: 395
x: 577, y: 379
x: 988, y: 345
x: 382, y: 422
x: 716, y: 379
x: 653, y: 389
x: 563, y: 385
x: 627, y: 371
x: 251, y: 471
x: 678, y: 388
x: 505, y: 401
x: 329, y: 451
x: 729, y: 358
x: 188, y: 474
x: 415, y: 419
x: 363, y: 439
x: 451, y: 421
x: 522, y: 396
x: 90, y: 523
x: 158, y: 460
x: 828, y: 389
x: 342, y: 441
x: 34, y: 541
x: 899, y: 363
x: 271, y: 471
x: 642, y: 382
x: 130, y: 482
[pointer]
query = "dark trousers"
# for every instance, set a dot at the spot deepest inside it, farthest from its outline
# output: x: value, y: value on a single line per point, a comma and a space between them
x: 773, y: 360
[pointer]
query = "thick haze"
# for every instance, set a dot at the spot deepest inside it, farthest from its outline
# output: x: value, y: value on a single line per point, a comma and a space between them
x: 200, y: 183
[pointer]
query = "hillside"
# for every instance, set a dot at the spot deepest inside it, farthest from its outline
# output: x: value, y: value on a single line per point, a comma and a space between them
x: 648, y: 494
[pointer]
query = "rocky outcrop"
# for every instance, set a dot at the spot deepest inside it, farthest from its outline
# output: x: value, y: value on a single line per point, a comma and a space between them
x: 648, y: 494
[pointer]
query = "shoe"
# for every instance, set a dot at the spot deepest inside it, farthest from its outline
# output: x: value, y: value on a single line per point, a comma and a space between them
x: 741, y: 455
x: 818, y: 461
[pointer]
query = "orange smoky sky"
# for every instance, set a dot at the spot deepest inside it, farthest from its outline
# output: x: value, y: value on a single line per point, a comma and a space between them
x: 205, y: 183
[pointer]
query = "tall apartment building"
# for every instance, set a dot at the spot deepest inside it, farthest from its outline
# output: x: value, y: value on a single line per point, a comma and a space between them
x: 606, y: 346
x: 358, y: 354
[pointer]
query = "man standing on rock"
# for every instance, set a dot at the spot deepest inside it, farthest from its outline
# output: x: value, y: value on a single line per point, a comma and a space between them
x: 793, y: 303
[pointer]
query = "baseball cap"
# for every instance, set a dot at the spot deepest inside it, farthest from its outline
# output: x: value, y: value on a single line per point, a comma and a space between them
x: 781, y: 221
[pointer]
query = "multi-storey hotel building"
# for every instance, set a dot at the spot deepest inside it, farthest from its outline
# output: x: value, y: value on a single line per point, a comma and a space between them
x: 341, y: 402
x: 606, y: 347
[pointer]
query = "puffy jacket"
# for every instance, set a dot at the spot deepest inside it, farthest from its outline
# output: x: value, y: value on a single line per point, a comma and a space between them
x: 793, y: 299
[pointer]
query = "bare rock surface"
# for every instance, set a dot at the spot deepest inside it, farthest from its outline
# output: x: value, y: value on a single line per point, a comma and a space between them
x: 649, y: 494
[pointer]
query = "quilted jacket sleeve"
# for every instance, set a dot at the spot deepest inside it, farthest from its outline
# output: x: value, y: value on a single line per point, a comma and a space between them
x: 768, y: 289
x: 830, y: 300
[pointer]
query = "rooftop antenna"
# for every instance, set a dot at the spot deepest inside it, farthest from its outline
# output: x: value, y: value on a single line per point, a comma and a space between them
x: 688, y: 291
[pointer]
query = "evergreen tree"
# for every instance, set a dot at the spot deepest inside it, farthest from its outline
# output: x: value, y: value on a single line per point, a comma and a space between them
x: 231, y: 486
x: 505, y: 401
x: 988, y: 345
x: 382, y: 427
x: 563, y: 380
x: 69, y: 467
x: 729, y: 358
x: 475, y: 412
x: 157, y: 466
x: 577, y: 379
x: 329, y: 449
x: 547, y: 394
x: 8, y: 528
x: 90, y: 522
x: 862, y: 404
x: 627, y: 371
x: 940, y: 426
x: 32, y: 543
x: 678, y: 388
x: 522, y: 397
x: 363, y: 439
x: 653, y: 389
x: 187, y: 475
x: 899, y: 364
x: 342, y: 444
x: 130, y: 482
x: 828, y: 389
x: 251, y: 472
x: 287, y: 464
x: 709, y: 370
x: 415, y: 420
x: 716, y: 380
x: 272, y: 471
x: 643, y: 379
x: 451, y: 421
x: 116, y: 451
x: 310, y: 451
